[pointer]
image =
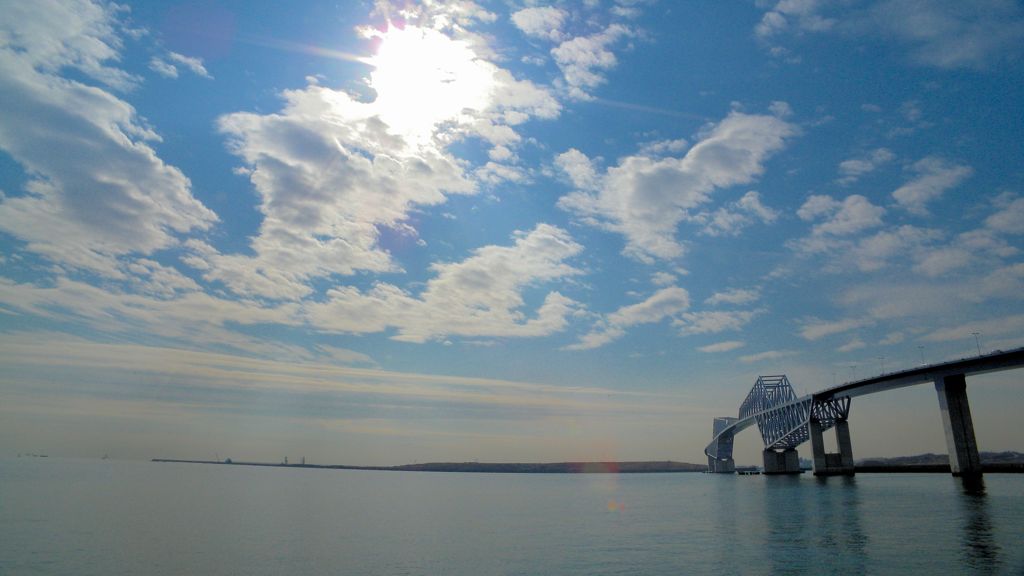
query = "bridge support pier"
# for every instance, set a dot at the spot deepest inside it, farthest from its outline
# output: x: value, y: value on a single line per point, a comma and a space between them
x: 956, y: 421
x: 726, y: 466
x: 825, y: 464
x: 785, y: 462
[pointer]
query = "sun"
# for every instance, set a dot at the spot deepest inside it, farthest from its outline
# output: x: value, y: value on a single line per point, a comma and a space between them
x: 424, y: 79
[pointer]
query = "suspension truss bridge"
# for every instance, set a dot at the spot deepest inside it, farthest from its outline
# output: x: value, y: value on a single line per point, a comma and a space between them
x: 786, y: 420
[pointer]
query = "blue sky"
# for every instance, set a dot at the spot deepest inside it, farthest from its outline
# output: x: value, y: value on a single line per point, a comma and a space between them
x: 386, y: 232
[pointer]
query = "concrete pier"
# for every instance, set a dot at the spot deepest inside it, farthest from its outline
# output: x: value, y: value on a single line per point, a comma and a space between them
x: 785, y: 462
x: 725, y: 466
x: 721, y: 462
x: 957, y: 423
x: 825, y: 464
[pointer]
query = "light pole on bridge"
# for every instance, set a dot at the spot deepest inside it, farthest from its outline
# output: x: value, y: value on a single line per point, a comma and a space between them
x: 977, y: 341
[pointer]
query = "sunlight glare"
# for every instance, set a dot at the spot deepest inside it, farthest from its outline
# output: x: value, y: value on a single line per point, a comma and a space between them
x: 424, y: 78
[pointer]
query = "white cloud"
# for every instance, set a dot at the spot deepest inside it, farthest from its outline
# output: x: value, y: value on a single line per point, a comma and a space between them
x: 345, y: 356
x: 940, y: 33
x: 769, y: 355
x: 736, y: 296
x: 166, y: 311
x: 168, y: 66
x: 949, y: 33
x: 332, y: 172
x: 732, y: 219
x: 195, y: 65
x: 726, y: 346
x: 713, y: 322
x: 851, y: 170
x: 163, y: 68
x: 663, y: 279
x: 816, y: 329
x: 875, y: 252
x: 932, y: 298
x: 645, y: 198
x: 855, y: 344
x: 1012, y: 325
x: 481, y: 296
x: 854, y: 214
x: 584, y: 59
x: 799, y: 15
x: 1010, y: 217
x: 578, y: 168
x: 935, y: 176
x: 541, y: 22
x: 893, y: 338
x: 665, y: 303
x: 92, y: 172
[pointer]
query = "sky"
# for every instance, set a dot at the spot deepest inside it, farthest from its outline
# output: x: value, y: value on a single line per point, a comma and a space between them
x: 384, y: 233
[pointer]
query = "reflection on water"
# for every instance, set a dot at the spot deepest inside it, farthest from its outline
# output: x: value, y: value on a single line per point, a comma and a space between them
x: 980, y: 550
x: 841, y: 534
x: 816, y: 528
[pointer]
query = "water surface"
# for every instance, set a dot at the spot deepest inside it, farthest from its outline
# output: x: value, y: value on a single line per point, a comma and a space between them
x: 64, y: 516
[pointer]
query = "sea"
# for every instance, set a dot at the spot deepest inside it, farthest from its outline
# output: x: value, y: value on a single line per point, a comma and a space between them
x: 103, y: 517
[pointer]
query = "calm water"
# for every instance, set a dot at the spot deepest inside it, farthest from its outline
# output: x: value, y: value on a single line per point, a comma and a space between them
x: 106, y: 517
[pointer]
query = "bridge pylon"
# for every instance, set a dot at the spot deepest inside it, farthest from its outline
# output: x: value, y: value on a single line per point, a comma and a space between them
x: 781, y: 462
x: 964, y: 459
x: 826, y: 464
x: 719, y: 454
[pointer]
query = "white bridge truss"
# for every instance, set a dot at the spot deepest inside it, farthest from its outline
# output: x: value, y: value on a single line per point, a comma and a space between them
x: 782, y: 418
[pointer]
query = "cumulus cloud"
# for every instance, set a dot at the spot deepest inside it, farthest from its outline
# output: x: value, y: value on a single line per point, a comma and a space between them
x: 714, y: 321
x: 664, y: 303
x: 851, y: 170
x: 584, y: 59
x: 1009, y: 219
x: 736, y: 296
x: 854, y: 214
x: 663, y: 279
x: 168, y: 66
x: 934, y: 177
x: 730, y: 220
x: 93, y: 174
x: 541, y: 22
x: 646, y: 198
x: 481, y: 296
x: 793, y: 15
x: 878, y: 250
x: 334, y: 173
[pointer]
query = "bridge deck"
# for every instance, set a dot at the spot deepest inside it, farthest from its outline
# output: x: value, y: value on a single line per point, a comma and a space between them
x: 993, y: 362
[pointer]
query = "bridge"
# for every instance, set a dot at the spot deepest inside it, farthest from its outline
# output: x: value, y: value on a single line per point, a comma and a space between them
x: 786, y: 420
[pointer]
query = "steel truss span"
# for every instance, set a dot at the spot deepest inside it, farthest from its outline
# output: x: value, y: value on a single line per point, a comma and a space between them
x: 785, y: 420
x: 782, y: 418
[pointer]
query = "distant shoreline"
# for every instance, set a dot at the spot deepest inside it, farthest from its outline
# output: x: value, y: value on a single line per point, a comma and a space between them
x: 647, y: 467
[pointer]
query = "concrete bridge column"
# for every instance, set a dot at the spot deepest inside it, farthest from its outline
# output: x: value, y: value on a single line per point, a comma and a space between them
x: 826, y: 464
x: 956, y: 420
x: 725, y: 466
x: 785, y: 462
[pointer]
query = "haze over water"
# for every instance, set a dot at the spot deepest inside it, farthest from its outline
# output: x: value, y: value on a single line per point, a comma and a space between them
x: 84, y: 517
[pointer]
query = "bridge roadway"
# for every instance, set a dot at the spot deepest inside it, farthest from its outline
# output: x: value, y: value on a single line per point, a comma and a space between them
x: 786, y: 421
